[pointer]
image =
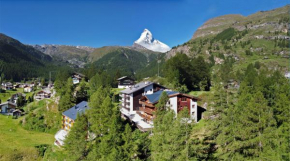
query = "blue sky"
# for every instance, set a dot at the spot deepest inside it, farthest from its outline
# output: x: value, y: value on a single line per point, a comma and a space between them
x: 115, y: 22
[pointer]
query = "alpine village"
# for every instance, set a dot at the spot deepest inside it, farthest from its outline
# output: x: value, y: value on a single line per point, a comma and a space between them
x: 222, y: 95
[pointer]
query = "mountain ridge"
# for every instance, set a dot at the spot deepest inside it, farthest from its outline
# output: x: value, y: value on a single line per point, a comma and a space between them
x: 260, y: 37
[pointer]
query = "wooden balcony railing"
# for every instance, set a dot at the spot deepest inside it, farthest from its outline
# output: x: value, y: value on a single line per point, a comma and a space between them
x: 146, y: 117
x: 147, y: 110
x: 146, y: 104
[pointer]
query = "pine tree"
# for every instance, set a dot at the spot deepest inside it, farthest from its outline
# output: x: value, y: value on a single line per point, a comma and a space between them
x: 160, y: 127
x: 99, y: 80
x: 248, y: 131
x: 67, y: 100
x: 81, y: 92
x: 75, y: 142
x: 20, y: 101
x: 100, y: 111
x: 130, y: 147
x: 107, y: 126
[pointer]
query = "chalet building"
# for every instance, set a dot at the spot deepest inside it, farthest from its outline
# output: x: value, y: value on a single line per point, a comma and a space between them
x: 17, y: 112
x: 43, y: 94
x: 125, y: 82
x: 7, y: 108
x: 7, y: 86
x: 27, y: 89
x: 129, y: 97
x: 77, y: 77
x: 70, y: 115
x: 68, y: 119
x: 22, y: 85
x: 17, y: 85
x: 14, y: 97
x: 177, y: 102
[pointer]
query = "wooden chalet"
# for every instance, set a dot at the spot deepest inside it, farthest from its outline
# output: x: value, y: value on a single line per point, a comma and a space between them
x: 125, y: 82
x: 177, y: 102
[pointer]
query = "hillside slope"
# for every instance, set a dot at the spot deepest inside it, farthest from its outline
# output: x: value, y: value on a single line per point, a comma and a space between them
x: 126, y: 60
x: 18, y: 61
x: 262, y: 37
x: 75, y: 55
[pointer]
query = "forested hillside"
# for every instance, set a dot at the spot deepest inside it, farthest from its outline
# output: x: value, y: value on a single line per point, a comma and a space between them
x: 19, y: 61
x: 125, y: 60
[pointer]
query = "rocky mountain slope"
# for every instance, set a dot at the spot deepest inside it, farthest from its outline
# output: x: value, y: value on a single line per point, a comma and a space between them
x: 263, y: 37
x: 147, y: 41
x: 79, y: 56
x: 75, y: 55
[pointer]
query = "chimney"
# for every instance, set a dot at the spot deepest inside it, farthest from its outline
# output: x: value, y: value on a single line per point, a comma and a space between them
x: 146, y: 82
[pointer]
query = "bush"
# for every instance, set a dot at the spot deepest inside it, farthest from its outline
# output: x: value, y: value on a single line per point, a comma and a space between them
x: 42, y: 149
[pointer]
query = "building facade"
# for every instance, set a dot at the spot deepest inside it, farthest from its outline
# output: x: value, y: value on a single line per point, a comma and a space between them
x: 125, y: 82
x: 177, y: 102
x: 7, y: 108
x: 129, y: 98
x: 68, y: 119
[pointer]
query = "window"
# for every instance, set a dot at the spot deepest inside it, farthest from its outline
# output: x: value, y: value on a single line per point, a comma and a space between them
x: 183, y: 98
x: 169, y: 102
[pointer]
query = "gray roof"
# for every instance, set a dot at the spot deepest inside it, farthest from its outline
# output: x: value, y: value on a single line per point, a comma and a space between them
x: 77, y: 109
x: 8, y: 103
x: 153, y: 98
x: 136, y: 87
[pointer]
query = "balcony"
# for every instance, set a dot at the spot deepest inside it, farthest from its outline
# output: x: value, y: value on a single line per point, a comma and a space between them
x: 147, y: 118
x: 146, y: 104
x: 147, y: 110
x: 125, y: 111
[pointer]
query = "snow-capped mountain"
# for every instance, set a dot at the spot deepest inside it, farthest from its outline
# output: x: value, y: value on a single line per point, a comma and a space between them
x: 147, y: 41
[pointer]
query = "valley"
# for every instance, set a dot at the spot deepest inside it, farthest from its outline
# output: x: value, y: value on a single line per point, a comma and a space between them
x: 222, y: 95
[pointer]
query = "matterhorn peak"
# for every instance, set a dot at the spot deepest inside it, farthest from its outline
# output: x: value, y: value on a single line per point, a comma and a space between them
x: 147, y: 41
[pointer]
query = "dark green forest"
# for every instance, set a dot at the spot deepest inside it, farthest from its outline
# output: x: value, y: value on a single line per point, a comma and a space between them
x: 19, y: 61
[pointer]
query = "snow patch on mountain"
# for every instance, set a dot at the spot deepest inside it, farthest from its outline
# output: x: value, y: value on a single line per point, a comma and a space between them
x: 147, y: 40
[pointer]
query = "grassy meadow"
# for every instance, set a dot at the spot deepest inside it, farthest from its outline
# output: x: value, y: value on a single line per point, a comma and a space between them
x: 17, y: 143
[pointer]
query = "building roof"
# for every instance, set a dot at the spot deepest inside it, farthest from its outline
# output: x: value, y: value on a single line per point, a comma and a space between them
x: 8, y: 103
x: 77, y: 109
x: 153, y: 98
x: 80, y: 74
x: 17, y: 110
x: 124, y: 78
x: 44, y: 91
x: 137, y: 87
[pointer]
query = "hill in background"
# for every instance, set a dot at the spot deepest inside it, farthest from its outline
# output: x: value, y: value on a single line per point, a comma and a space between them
x: 263, y: 37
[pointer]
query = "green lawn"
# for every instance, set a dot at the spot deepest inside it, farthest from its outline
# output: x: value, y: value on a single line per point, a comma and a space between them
x: 14, y: 140
x: 5, y: 96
